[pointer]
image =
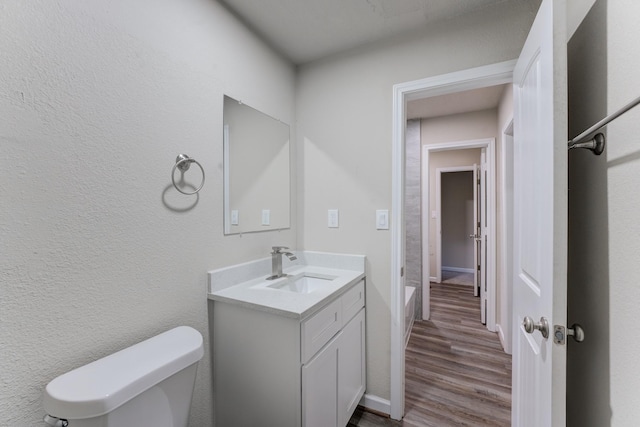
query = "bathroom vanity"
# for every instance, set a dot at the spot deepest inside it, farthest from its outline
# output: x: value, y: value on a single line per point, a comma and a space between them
x: 290, y: 351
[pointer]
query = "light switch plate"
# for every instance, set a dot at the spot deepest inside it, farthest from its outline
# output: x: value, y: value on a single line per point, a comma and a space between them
x: 332, y: 220
x: 234, y: 217
x: 266, y: 216
x: 382, y: 219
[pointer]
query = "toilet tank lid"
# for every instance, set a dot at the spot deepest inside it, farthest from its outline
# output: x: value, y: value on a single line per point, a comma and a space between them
x: 101, y: 386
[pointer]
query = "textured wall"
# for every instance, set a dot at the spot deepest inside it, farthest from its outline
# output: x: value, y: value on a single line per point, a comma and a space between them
x: 623, y: 175
x: 98, y: 250
x: 603, y: 294
x: 344, y: 106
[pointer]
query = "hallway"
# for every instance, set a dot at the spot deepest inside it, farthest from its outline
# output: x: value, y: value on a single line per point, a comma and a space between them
x: 456, y: 371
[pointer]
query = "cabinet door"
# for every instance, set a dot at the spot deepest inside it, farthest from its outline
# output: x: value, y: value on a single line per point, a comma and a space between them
x: 320, y: 387
x: 351, y: 367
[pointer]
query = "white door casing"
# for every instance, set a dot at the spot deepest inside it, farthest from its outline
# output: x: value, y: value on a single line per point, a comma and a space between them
x: 483, y: 233
x: 540, y: 219
x: 474, y: 236
x: 474, y: 78
x: 489, y: 144
x: 439, y: 203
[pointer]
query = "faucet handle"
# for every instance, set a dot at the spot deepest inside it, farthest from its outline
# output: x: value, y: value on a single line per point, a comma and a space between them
x: 277, y: 249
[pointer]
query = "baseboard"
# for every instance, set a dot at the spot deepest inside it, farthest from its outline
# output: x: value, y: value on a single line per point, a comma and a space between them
x: 376, y: 404
x: 503, y: 341
x: 458, y: 269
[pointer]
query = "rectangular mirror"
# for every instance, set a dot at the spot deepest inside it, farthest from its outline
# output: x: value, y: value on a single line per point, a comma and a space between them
x: 256, y: 170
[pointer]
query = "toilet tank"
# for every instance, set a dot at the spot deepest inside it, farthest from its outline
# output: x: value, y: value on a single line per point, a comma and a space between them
x: 147, y: 384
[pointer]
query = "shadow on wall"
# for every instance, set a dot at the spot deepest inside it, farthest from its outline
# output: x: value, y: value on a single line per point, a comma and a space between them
x: 588, y: 372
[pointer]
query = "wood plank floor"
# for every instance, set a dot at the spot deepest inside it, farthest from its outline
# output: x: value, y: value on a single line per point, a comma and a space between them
x: 456, y: 371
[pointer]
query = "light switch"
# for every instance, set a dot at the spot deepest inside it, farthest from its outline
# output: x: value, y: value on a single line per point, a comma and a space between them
x: 266, y: 216
x: 234, y: 217
x: 333, y: 218
x: 382, y: 219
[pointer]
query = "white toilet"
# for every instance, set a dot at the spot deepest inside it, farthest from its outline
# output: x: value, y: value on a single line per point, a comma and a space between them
x: 147, y: 384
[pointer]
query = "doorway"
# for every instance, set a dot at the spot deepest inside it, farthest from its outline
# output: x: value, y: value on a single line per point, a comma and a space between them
x: 457, y: 211
x: 431, y: 223
x: 480, y: 77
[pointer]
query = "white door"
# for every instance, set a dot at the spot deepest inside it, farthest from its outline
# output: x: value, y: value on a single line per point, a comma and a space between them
x: 483, y: 232
x: 540, y: 220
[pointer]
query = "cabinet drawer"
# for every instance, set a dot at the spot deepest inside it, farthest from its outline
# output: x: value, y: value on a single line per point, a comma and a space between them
x: 352, y: 302
x: 319, y: 329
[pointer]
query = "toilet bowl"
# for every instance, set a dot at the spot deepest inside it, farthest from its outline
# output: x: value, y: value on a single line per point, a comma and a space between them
x: 148, y: 384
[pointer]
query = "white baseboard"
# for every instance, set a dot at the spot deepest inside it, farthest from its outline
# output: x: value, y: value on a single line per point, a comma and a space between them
x: 503, y: 340
x: 376, y: 403
x: 458, y: 269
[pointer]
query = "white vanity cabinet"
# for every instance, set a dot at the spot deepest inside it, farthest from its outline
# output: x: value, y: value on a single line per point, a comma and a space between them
x: 274, y: 370
x: 333, y: 381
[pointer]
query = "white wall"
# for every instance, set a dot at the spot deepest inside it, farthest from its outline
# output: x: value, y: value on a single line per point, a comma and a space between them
x: 452, y: 128
x: 98, y: 250
x: 604, y: 58
x: 504, y: 182
x: 623, y: 53
x: 344, y: 106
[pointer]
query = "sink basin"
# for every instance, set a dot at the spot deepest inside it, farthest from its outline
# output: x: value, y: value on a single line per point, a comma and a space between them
x: 303, y: 284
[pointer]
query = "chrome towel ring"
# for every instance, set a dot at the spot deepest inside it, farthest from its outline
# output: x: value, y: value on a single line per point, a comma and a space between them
x: 183, y: 162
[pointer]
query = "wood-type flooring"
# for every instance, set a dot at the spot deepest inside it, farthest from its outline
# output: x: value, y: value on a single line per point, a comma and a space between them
x: 457, y: 373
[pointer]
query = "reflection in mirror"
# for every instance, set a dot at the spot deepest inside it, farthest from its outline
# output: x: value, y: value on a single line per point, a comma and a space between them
x: 256, y: 170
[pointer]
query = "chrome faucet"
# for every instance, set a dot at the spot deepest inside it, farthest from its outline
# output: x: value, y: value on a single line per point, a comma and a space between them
x: 276, y: 261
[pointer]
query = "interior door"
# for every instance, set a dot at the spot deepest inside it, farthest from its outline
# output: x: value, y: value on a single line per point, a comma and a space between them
x: 483, y: 233
x: 540, y: 221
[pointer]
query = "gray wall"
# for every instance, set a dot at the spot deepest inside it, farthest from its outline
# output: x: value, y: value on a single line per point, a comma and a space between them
x: 457, y: 219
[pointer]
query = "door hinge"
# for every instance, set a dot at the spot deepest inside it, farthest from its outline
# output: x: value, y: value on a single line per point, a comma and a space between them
x: 401, y: 271
x: 478, y: 267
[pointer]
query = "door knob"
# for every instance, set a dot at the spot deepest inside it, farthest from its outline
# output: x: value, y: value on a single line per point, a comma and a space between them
x: 576, y: 332
x: 530, y: 326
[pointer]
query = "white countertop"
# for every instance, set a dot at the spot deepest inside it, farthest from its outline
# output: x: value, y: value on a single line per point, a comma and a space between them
x: 260, y: 294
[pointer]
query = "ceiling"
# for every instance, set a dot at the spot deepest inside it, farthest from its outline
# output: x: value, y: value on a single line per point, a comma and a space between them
x: 306, y: 30
x: 456, y: 103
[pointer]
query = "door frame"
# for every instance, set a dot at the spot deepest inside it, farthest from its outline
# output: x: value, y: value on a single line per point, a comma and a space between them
x: 490, y: 145
x: 474, y: 78
x: 504, y: 328
x: 424, y: 201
